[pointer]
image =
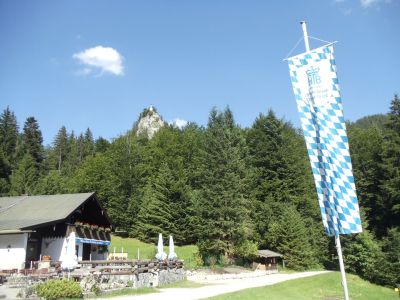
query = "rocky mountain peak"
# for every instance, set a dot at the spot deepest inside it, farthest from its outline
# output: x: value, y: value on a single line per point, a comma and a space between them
x: 149, y: 122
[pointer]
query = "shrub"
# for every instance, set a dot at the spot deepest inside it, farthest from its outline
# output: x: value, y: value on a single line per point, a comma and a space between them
x: 56, y: 289
x: 198, y: 260
x: 247, y: 250
x: 212, y: 261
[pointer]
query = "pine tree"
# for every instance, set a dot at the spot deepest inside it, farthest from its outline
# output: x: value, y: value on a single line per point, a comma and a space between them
x: 366, y: 146
x: 280, y: 172
x: 53, y: 183
x: 391, y: 166
x: 168, y: 148
x: 24, y: 178
x: 101, y: 145
x: 72, y: 161
x: 97, y: 174
x: 88, y: 143
x: 5, y: 171
x: 289, y: 235
x: 32, y: 140
x: 362, y: 253
x: 8, y: 137
x: 129, y: 164
x: 155, y: 215
x: 60, y: 147
x: 80, y: 144
x: 390, y: 265
x: 223, y: 205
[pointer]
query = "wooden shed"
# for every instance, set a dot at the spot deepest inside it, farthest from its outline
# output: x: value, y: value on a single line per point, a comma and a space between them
x: 267, y: 261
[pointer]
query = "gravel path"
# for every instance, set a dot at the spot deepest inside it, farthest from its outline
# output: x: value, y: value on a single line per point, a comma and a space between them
x: 218, y: 286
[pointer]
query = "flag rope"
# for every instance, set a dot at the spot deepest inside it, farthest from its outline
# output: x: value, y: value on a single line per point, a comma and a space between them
x: 294, y: 48
x: 311, y: 37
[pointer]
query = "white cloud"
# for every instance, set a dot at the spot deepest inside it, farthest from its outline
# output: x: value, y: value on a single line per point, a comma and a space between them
x: 368, y: 3
x: 179, y: 123
x: 105, y: 59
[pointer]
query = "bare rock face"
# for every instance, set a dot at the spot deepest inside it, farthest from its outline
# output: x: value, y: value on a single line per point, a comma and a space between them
x: 149, y: 123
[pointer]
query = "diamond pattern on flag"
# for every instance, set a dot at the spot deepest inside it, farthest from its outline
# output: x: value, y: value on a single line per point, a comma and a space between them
x: 316, y: 89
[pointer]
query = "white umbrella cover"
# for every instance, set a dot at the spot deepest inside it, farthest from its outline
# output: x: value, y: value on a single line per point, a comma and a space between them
x: 69, y: 260
x: 161, y: 255
x: 172, y: 254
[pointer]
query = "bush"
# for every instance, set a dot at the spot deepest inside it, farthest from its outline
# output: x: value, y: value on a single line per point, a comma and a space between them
x: 247, y: 250
x: 212, y: 261
x: 197, y: 260
x: 56, y: 289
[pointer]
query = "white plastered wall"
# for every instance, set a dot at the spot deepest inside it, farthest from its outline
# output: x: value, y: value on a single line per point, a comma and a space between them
x: 54, y: 247
x: 13, y: 251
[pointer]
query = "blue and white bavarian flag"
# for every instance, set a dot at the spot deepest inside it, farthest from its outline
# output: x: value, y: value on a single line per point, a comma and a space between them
x: 316, y: 89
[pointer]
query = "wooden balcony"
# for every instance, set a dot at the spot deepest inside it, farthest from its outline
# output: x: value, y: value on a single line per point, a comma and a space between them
x: 89, y: 233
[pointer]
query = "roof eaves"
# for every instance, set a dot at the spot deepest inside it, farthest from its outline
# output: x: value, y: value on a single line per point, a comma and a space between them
x: 14, y: 231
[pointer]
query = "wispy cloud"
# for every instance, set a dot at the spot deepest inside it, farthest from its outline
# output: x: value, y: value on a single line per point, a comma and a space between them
x: 179, y: 123
x: 368, y: 3
x: 105, y: 59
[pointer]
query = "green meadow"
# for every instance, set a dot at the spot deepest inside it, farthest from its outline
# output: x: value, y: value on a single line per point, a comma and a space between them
x: 321, y: 287
x: 148, y: 251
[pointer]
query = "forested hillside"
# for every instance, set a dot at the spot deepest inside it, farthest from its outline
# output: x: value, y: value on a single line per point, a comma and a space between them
x: 230, y: 190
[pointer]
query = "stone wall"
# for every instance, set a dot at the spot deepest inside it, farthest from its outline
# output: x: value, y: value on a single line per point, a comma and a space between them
x: 150, y: 279
x: 170, y: 276
x: 146, y: 280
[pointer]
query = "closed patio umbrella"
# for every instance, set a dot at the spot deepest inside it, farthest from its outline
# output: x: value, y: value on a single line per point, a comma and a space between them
x: 161, y: 255
x: 171, y: 254
x: 69, y: 259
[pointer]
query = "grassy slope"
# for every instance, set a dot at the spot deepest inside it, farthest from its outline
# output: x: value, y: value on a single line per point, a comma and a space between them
x: 326, y: 286
x: 148, y: 251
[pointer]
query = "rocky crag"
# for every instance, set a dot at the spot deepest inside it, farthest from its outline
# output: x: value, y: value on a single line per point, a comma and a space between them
x: 149, y: 122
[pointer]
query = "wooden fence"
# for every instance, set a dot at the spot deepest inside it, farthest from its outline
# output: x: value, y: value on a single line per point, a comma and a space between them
x: 99, y: 267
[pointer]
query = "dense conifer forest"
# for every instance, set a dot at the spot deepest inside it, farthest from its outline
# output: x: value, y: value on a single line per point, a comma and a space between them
x: 228, y: 189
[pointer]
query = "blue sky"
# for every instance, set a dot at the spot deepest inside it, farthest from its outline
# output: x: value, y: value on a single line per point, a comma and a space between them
x: 97, y: 64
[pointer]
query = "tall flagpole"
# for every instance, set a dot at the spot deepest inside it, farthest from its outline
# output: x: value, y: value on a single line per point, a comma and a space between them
x: 341, y: 264
x: 337, y: 238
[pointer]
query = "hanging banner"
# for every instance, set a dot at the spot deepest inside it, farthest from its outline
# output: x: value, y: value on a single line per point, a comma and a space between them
x: 316, y: 89
x: 92, y: 241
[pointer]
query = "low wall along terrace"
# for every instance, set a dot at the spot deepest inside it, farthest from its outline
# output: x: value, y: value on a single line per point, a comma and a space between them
x: 107, y: 275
